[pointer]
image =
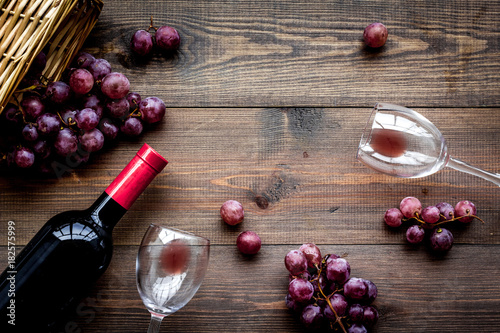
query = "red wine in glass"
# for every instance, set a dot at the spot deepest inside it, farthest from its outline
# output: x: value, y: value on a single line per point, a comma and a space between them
x: 390, y: 143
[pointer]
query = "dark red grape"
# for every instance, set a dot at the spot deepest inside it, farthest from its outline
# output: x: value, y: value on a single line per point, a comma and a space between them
x: 93, y: 102
x: 356, y: 313
x: 48, y: 124
x: 83, y: 60
x: 99, y: 69
x: 232, y: 212
x: 447, y: 212
x: 293, y: 305
x: 372, y: 292
x: 415, y: 234
x: 66, y: 142
x: 441, y: 240
x: 300, y: 290
x: 152, y: 109
x: 37, y: 65
x: 370, y: 316
x: 337, y: 270
x: 317, y: 282
x: 32, y: 106
x: 42, y: 149
x: 108, y: 129
x: 132, y: 127
x: 29, y: 132
x: 81, y: 81
x: 339, y: 304
x: 115, y: 85
x: 464, y: 209
x: 133, y: 99
x: 430, y: 214
x: 357, y: 328
x: 355, y: 289
x: 24, y: 157
x: 312, y: 316
x: 58, y: 92
x: 167, y: 38
x: 92, y: 140
x: 118, y: 108
x: 410, y: 207
x: 375, y: 35
x: 87, y: 119
x: 12, y: 115
x: 393, y: 217
x: 248, y: 242
x: 313, y: 254
x: 296, y: 262
x: 142, y: 43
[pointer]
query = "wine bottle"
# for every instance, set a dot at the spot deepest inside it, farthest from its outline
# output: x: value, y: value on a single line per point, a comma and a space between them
x: 71, y: 251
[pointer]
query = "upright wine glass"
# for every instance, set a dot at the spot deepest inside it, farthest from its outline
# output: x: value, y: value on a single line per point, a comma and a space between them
x: 400, y: 142
x: 170, y: 267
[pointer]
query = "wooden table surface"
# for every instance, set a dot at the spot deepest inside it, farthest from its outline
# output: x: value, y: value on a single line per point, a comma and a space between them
x: 266, y: 103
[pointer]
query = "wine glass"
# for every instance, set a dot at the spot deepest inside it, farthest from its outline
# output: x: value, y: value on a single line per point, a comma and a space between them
x: 400, y: 142
x: 170, y: 267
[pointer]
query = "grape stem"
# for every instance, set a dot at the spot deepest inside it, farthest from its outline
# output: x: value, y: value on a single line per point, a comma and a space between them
x: 327, y: 299
x: 445, y: 221
x: 70, y: 122
x: 151, y: 26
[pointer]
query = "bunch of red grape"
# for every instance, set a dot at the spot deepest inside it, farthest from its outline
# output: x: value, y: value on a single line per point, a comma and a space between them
x: 429, y: 220
x: 54, y: 128
x: 325, y: 296
x: 165, y: 37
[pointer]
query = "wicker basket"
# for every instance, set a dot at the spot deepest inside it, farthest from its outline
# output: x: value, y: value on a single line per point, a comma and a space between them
x: 29, y: 26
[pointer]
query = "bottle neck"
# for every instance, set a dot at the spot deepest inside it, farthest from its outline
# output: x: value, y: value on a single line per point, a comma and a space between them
x: 107, y: 211
x: 127, y: 186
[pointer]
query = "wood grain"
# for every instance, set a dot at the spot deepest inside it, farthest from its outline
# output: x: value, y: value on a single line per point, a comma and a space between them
x: 417, y: 292
x: 311, y: 53
x: 267, y: 101
x: 293, y: 169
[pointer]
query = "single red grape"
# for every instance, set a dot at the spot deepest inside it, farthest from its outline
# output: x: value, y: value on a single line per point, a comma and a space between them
x: 142, y: 43
x: 441, y: 240
x: 167, y: 38
x: 393, y: 217
x: 248, y: 242
x: 115, y: 85
x: 232, y: 212
x: 313, y: 254
x: 464, y: 209
x: 375, y: 35
x: 410, y: 207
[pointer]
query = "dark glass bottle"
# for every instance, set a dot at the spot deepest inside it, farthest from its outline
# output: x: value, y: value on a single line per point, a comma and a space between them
x: 71, y: 251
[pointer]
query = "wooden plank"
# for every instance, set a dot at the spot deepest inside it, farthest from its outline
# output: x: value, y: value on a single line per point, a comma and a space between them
x: 417, y: 292
x: 294, y: 170
x: 310, y: 53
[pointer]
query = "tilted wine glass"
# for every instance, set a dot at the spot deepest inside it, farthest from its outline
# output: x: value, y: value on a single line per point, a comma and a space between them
x: 400, y: 142
x: 170, y: 267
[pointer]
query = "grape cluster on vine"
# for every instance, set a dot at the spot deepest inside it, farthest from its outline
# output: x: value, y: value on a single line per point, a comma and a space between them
x: 54, y: 127
x: 429, y: 220
x: 325, y: 296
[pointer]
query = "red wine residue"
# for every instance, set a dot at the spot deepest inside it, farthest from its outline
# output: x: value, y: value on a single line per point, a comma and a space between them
x: 175, y: 257
x: 389, y: 143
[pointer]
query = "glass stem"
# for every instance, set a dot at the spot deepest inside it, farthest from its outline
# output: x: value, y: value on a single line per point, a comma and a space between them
x: 154, y: 324
x: 464, y: 167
